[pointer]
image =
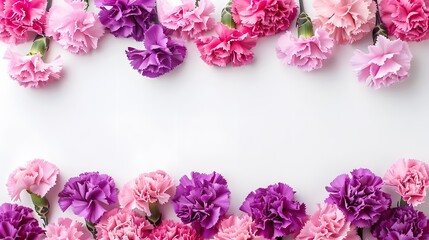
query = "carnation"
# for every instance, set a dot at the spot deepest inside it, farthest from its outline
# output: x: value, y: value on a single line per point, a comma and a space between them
x: 408, y: 20
x: 345, y: 20
x: 89, y: 195
x: 328, y: 222
x: 264, y: 17
x: 66, y: 229
x: 123, y: 224
x: 275, y: 211
x: 38, y: 177
x: 75, y: 29
x: 359, y: 197
x: 162, y: 54
x: 19, y: 19
x: 127, y: 18
x: 307, y: 53
x: 202, y: 200
x: 401, y: 223
x: 187, y: 20
x: 17, y: 222
x: 411, y: 178
x: 236, y: 227
x: 386, y: 63
x: 230, y: 46
x: 31, y: 71
x: 147, y: 188
x: 170, y: 230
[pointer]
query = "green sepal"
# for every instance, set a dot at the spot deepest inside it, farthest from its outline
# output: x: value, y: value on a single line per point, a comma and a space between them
x: 305, y: 26
x: 91, y: 227
x: 40, y: 45
x: 155, y: 214
x: 196, y: 3
x: 226, y: 16
x: 402, y: 203
x: 41, y: 206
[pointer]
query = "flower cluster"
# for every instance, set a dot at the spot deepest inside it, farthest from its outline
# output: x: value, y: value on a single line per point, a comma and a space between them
x: 201, y: 201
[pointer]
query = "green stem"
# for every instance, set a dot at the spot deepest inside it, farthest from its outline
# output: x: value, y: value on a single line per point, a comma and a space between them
x: 301, y: 6
x: 360, y: 233
x: 86, y: 4
x: 402, y: 203
x: 155, y: 216
x: 380, y: 29
x: 48, y: 5
x: 91, y: 227
x: 279, y: 238
x: 196, y: 3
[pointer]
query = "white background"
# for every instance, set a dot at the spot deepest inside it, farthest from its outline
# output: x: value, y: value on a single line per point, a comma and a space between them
x: 257, y: 125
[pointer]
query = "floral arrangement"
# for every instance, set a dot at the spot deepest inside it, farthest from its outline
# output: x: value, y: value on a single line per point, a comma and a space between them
x: 355, y: 201
x: 166, y: 28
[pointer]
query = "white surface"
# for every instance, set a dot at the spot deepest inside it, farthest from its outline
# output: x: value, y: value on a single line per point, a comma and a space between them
x: 256, y: 125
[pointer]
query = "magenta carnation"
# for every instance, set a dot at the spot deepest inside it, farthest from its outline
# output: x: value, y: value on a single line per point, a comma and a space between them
x: 411, y: 178
x: 31, y: 71
x: 308, y: 53
x: 75, y: 29
x: 123, y: 224
x: 386, y: 63
x: 236, y: 227
x: 170, y: 230
x: 67, y: 229
x: 230, y: 46
x: 18, y: 223
x: 345, y: 20
x: 275, y: 211
x: 20, y: 17
x: 187, y: 20
x: 408, y: 20
x: 264, y: 17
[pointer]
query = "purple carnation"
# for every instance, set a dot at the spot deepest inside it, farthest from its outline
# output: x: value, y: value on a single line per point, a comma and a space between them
x: 202, y: 200
x: 401, y: 223
x: 127, y: 18
x: 360, y: 197
x: 275, y: 211
x: 17, y: 222
x: 162, y: 54
x: 89, y: 195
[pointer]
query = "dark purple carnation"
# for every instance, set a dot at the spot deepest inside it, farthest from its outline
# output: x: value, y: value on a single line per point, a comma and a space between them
x: 17, y: 223
x: 275, y: 211
x: 89, y: 195
x: 359, y: 197
x: 202, y: 201
x: 127, y: 18
x: 401, y: 223
x: 162, y: 54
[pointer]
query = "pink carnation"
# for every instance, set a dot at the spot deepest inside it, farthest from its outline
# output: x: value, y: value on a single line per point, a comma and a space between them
x: 264, y: 17
x: 236, y: 227
x: 187, y: 20
x: 19, y: 17
x: 31, y: 71
x: 387, y: 62
x: 147, y: 188
x: 75, y: 29
x: 169, y: 230
x: 38, y: 177
x: 328, y: 222
x: 305, y: 53
x: 345, y: 20
x: 67, y: 229
x: 231, y: 46
x: 123, y: 224
x: 411, y: 178
x: 406, y: 19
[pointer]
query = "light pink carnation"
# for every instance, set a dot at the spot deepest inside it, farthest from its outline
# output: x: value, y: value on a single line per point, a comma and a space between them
x: 264, y: 17
x: 345, y: 20
x: 170, y: 230
x: 19, y: 17
x: 38, y: 177
x: 147, y: 188
x: 75, y: 29
x: 328, y: 222
x: 124, y: 225
x: 187, y: 20
x: 406, y: 19
x: 411, y: 178
x: 307, y: 54
x: 236, y: 227
x: 231, y: 46
x: 387, y: 62
x: 31, y: 71
x: 67, y: 229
